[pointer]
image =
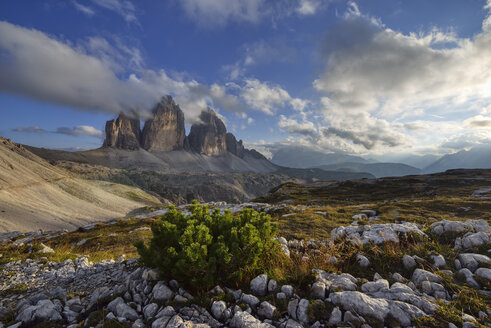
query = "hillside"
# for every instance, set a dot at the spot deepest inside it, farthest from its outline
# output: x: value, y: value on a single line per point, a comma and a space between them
x: 379, y: 170
x: 36, y: 195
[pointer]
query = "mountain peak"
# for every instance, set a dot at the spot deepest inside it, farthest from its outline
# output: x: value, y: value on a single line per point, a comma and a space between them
x: 123, y: 133
x: 165, y: 130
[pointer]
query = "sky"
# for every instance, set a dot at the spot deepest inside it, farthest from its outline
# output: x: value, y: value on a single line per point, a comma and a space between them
x: 370, y: 78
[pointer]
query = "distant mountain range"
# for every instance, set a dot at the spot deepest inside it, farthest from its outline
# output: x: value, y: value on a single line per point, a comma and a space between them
x: 379, y: 170
x: 298, y: 157
x: 302, y: 157
x: 478, y: 157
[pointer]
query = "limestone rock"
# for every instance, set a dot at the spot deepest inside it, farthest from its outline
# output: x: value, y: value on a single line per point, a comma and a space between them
x: 165, y: 131
x: 420, y: 275
x: 123, y: 133
x: 259, y: 285
x: 243, y: 319
x: 376, y: 233
x: 233, y: 146
x: 362, y: 304
x: 209, y: 136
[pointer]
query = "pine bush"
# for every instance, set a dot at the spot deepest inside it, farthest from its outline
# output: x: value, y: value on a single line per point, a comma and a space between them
x: 205, y: 249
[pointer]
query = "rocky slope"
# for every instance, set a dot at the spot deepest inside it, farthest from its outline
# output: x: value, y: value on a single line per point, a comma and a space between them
x: 36, y: 195
x: 350, y: 286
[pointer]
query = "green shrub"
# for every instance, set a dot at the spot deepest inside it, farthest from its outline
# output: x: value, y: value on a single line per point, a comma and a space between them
x: 203, y: 249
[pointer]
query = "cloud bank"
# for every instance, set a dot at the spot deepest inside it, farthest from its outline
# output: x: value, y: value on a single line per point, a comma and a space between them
x: 80, y: 130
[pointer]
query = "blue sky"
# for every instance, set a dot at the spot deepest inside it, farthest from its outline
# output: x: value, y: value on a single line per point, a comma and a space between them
x: 366, y: 77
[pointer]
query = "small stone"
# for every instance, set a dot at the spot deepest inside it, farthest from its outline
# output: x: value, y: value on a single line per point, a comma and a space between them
x: 272, y: 286
x: 318, y: 289
x: 266, y: 310
x: 46, y: 249
x: 288, y: 290
x: 217, y: 309
x: 336, y: 316
x: 438, y: 261
x: 302, y: 311
x: 161, y: 292
x: 362, y: 261
x: 408, y: 262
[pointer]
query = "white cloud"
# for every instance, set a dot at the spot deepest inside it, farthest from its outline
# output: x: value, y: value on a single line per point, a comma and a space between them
x: 124, y: 8
x: 81, y: 130
x: 373, y: 68
x: 220, y: 12
x: 375, y: 75
x: 305, y: 127
x: 267, y: 97
x: 264, y: 97
x: 308, y: 7
x: 83, y: 9
x: 90, y: 76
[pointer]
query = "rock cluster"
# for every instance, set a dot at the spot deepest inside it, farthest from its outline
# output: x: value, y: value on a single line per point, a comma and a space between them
x: 165, y: 131
x: 71, y: 292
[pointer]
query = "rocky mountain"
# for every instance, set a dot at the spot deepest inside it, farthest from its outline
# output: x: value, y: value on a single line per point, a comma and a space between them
x: 37, y: 195
x: 474, y: 158
x: 165, y: 130
x: 123, y: 133
x: 379, y: 170
x: 233, y: 146
x: 208, y: 137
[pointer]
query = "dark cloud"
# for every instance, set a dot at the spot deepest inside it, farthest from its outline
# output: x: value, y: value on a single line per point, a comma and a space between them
x: 81, y: 130
x: 367, y: 139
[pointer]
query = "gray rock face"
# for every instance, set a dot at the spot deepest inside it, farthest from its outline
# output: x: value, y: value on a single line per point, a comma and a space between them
x: 123, y: 133
x: 209, y: 136
x: 165, y: 131
x: 455, y: 227
x: 420, y: 275
x: 243, y: 319
x: 471, y: 239
x: 376, y: 233
x: 472, y: 261
x: 362, y: 304
x: 266, y: 310
x: 161, y: 292
x: 43, y: 310
x: 233, y: 146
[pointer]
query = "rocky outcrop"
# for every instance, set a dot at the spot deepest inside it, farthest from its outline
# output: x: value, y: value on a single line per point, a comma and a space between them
x: 165, y: 131
x: 209, y: 136
x: 123, y: 133
x: 233, y: 146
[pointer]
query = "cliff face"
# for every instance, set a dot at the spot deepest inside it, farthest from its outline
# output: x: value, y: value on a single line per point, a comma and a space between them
x: 165, y: 131
x: 233, y: 146
x: 123, y: 133
x: 209, y: 136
